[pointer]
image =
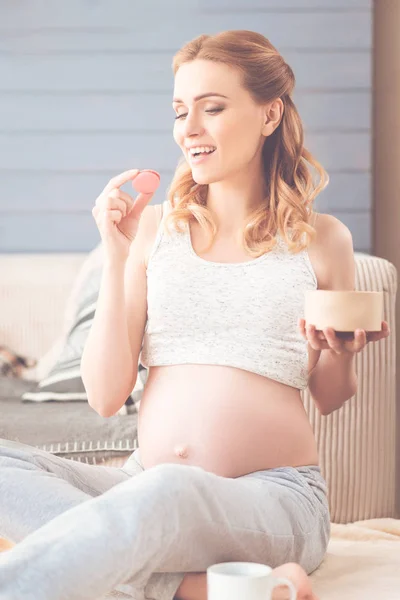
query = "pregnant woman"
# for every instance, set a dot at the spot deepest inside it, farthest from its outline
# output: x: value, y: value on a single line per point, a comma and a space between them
x: 209, y: 294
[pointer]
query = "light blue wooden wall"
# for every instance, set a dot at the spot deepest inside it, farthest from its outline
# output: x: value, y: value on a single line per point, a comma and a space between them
x: 86, y: 89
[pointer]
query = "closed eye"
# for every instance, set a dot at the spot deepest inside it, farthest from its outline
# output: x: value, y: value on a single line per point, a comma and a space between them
x: 212, y: 111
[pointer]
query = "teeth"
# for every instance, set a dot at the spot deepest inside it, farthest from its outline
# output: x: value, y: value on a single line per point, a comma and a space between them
x: 201, y: 149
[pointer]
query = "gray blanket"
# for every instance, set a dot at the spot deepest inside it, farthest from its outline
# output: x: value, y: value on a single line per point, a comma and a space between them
x: 70, y: 429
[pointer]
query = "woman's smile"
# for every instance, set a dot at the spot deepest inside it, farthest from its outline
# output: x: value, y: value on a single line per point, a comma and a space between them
x: 197, y: 158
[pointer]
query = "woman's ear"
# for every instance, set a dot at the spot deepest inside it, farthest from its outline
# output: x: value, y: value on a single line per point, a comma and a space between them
x: 273, y: 116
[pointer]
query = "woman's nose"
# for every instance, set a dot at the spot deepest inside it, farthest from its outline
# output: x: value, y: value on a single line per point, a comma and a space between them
x: 192, y: 125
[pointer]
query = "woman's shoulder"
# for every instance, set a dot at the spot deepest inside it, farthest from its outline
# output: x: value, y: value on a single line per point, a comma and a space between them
x: 330, y: 227
x: 331, y: 250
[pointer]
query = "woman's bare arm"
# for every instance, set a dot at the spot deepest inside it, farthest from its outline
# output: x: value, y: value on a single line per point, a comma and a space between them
x: 332, y: 378
x: 109, y: 365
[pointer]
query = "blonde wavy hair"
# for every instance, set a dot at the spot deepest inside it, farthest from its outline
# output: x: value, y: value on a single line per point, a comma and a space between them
x: 291, y: 189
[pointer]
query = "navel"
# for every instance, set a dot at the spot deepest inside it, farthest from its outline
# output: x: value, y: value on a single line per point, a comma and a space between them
x: 181, y: 450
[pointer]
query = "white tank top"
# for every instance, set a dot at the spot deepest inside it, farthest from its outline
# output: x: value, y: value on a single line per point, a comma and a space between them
x: 243, y: 315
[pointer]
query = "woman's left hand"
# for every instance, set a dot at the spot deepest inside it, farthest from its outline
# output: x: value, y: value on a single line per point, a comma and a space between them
x: 327, y: 339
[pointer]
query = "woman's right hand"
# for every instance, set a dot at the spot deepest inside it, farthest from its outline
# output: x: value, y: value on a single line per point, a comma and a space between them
x: 117, y: 215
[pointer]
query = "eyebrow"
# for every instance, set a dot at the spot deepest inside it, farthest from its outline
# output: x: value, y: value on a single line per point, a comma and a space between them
x: 176, y: 100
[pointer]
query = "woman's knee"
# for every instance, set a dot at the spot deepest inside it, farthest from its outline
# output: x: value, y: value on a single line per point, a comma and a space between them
x: 315, y: 549
x: 174, y: 479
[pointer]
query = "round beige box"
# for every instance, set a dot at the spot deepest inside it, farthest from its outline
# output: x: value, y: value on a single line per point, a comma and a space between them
x: 344, y: 310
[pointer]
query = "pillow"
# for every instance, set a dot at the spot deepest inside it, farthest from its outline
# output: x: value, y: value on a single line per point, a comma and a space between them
x: 63, y: 382
x: 92, y: 261
x: 69, y: 429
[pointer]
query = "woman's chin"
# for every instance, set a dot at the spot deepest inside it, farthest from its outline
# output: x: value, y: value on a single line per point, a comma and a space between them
x: 203, y: 178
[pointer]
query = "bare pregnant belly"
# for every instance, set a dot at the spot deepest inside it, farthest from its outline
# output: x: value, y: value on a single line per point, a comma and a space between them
x: 226, y: 420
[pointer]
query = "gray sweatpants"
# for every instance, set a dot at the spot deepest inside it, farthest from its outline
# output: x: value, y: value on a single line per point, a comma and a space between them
x: 85, y: 530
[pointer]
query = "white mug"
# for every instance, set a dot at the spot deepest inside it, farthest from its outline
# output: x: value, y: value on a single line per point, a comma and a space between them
x: 244, y: 581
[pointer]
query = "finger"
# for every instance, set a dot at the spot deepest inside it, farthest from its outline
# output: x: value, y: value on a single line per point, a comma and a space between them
x: 117, y: 193
x: 385, y: 329
x: 302, y: 327
x: 141, y: 202
x: 130, y: 202
x: 115, y: 198
x: 118, y: 180
x: 360, y: 340
x: 113, y: 215
x: 375, y: 336
x: 116, y: 204
x: 334, y: 343
x: 314, y: 341
x: 319, y: 333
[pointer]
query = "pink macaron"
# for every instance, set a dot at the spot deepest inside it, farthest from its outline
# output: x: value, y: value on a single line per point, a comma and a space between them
x: 146, y: 182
